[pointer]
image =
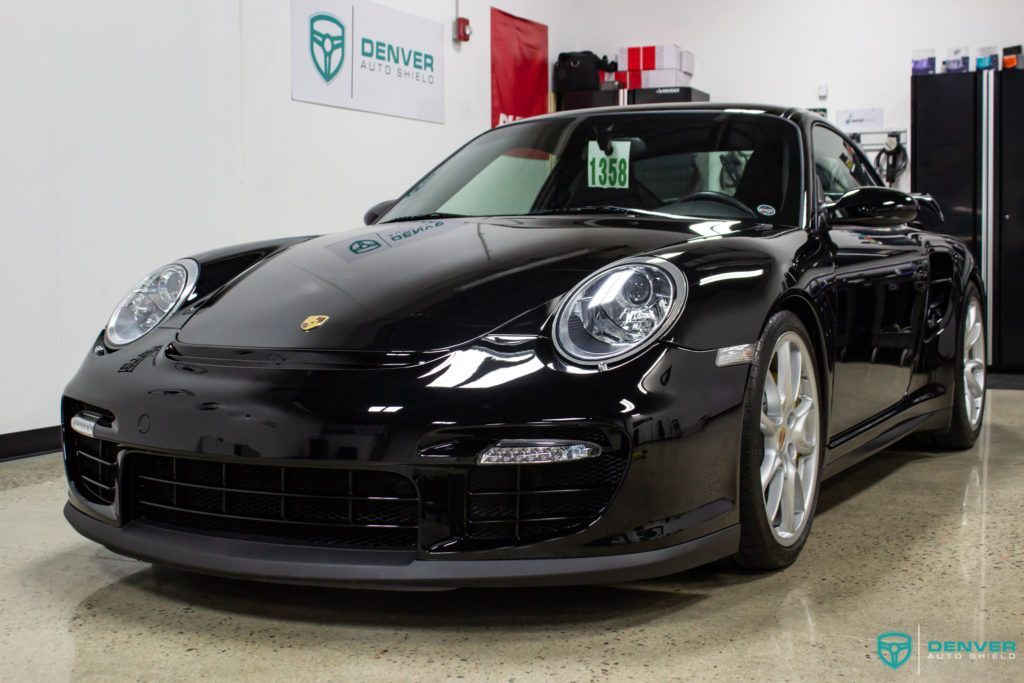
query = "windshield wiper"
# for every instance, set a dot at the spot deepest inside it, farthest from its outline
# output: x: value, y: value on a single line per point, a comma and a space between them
x: 597, y: 208
x: 425, y: 216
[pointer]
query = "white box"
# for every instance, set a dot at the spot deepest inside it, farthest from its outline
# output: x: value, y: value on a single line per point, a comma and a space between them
x: 647, y: 57
x: 686, y: 62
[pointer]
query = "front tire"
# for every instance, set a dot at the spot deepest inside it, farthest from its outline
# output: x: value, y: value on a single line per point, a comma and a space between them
x: 781, y: 448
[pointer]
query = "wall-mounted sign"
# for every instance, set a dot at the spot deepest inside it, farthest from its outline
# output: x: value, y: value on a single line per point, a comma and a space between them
x: 854, y: 120
x: 361, y: 55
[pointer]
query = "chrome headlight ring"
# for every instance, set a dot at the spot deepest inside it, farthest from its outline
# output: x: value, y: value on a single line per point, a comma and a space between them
x: 619, y: 311
x: 151, y: 301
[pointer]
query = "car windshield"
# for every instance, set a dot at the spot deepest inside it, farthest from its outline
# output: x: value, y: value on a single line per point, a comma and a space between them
x: 717, y: 165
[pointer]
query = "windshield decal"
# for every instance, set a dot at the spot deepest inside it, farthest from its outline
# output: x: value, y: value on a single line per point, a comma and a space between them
x: 604, y: 170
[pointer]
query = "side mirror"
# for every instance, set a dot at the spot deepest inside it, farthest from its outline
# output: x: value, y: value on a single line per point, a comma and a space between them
x: 374, y: 213
x: 930, y: 215
x: 873, y: 207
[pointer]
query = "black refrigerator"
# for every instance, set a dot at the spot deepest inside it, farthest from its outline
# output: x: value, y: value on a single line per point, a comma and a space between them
x: 967, y: 150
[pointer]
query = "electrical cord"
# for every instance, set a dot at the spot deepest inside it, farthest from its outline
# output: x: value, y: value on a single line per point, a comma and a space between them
x: 891, y: 160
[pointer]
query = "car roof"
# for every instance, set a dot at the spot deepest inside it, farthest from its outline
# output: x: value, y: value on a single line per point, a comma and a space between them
x: 795, y: 113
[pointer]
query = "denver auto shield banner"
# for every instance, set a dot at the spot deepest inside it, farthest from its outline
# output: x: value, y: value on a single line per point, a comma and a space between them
x: 519, y: 68
x: 361, y: 55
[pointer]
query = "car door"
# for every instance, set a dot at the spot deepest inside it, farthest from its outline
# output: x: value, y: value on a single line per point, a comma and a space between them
x: 881, y: 278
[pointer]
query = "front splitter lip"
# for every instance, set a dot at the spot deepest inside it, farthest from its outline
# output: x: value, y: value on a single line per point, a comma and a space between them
x: 395, y: 570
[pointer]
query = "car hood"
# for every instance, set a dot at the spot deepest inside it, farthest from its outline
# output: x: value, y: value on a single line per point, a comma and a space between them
x: 420, y: 285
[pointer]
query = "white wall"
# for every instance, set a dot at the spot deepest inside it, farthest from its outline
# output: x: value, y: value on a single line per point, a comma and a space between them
x: 120, y: 151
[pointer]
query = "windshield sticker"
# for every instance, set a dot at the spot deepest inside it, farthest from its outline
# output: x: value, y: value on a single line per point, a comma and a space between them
x: 766, y: 209
x: 608, y: 170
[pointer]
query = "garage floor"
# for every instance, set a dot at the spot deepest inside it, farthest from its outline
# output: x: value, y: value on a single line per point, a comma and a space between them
x: 903, y: 540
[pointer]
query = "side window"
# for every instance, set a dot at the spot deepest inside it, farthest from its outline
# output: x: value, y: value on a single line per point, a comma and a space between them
x: 840, y: 167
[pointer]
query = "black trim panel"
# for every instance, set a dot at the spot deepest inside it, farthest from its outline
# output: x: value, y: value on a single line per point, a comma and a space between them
x: 388, y: 569
x: 30, y: 442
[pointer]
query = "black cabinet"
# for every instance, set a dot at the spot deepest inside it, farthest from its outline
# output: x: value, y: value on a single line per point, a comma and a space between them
x: 945, y: 146
x: 967, y: 150
x: 1008, y: 220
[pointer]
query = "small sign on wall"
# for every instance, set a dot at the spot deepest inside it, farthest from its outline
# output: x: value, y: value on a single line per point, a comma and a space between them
x: 856, y: 120
x: 361, y: 55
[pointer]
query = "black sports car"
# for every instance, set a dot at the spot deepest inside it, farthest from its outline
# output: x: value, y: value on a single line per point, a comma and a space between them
x: 588, y: 347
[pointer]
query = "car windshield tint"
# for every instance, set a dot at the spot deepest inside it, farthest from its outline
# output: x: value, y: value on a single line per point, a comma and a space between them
x: 700, y: 164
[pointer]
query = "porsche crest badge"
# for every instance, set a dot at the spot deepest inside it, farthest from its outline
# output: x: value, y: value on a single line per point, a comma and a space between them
x: 313, y: 322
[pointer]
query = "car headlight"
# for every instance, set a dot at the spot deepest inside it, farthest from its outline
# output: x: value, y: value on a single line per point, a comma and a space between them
x: 619, y: 311
x: 150, y: 301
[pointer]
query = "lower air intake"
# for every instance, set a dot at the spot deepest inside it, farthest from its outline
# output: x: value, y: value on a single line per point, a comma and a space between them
x: 520, y: 504
x: 350, y: 508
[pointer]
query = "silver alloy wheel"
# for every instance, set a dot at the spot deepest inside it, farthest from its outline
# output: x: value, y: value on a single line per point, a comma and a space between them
x: 789, y: 424
x: 974, y: 362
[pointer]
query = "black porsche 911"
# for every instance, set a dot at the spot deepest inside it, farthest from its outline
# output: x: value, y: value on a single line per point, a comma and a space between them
x: 588, y: 347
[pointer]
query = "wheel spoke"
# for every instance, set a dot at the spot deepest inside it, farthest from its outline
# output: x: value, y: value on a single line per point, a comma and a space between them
x: 785, y: 372
x: 973, y: 386
x: 769, y: 427
x: 769, y: 466
x: 798, y: 489
x: 795, y: 372
x: 974, y: 334
x: 771, y: 396
x: 788, y: 503
x: 805, y: 433
x: 771, y: 505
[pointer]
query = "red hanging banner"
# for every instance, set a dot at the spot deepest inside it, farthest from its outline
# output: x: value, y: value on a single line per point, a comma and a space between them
x: 519, y: 68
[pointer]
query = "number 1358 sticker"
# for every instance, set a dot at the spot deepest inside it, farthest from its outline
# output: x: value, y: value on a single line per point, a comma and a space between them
x: 608, y: 170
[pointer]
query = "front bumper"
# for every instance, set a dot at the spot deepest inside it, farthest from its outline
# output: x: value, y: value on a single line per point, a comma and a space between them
x: 673, y: 415
x: 280, y: 563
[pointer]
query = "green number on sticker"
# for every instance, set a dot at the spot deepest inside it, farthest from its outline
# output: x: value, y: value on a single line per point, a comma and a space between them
x: 608, y: 168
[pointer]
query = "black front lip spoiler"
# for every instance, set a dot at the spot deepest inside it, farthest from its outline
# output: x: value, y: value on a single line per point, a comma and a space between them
x: 388, y: 569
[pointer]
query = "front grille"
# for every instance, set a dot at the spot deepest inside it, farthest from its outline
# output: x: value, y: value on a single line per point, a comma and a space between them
x: 286, y: 504
x: 517, y: 504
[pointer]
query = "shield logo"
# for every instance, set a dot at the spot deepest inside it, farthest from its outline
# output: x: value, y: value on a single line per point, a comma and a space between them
x: 327, y: 45
x: 361, y: 246
x: 894, y: 648
x: 313, y: 322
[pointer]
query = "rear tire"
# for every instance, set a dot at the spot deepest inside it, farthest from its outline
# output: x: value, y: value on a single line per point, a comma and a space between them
x: 968, y: 384
x: 781, y: 447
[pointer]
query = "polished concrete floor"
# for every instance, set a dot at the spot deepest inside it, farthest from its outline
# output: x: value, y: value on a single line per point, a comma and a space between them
x: 906, y: 540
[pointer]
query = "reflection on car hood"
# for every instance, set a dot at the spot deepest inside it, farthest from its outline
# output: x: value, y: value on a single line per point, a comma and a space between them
x: 420, y: 285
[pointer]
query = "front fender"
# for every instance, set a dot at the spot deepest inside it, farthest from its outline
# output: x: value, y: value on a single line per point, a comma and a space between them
x: 738, y: 282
